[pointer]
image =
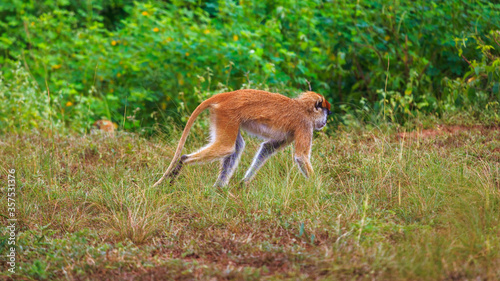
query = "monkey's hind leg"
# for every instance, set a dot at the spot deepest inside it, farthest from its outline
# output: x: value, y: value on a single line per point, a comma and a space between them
x: 230, y: 163
x: 223, y: 146
x: 266, y: 149
x: 175, y: 172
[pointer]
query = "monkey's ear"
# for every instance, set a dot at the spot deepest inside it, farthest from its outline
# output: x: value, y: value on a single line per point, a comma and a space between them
x: 326, y: 105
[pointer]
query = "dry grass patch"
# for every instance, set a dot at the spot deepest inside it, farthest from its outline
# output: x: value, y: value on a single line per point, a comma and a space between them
x: 380, y: 207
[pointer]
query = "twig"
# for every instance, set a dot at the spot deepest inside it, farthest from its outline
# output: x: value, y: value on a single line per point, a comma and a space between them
x: 466, y: 60
x: 386, y: 79
x: 486, y: 52
x: 309, y: 83
x: 387, y: 74
x: 496, y: 41
x: 482, y: 74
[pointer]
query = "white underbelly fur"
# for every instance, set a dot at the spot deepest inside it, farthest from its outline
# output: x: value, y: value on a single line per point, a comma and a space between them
x: 263, y: 131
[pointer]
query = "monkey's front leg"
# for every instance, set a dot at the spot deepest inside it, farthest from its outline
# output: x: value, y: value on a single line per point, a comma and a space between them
x: 304, y: 166
x: 303, y: 142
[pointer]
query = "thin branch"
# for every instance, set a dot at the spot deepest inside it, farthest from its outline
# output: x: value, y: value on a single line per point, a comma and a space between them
x: 309, y: 83
x: 466, y: 60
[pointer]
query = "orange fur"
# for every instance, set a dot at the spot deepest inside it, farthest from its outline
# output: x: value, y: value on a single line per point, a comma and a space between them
x: 105, y: 126
x: 274, y: 117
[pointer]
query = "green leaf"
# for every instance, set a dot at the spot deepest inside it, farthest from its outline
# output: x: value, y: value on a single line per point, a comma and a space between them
x: 496, y: 89
x: 471, y: 94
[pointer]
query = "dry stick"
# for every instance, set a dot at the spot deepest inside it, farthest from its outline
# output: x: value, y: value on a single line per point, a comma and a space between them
x: 51, y: 125
x: 247, y: 75
x: 396, y: 36
x: 309, y: 83
x: 483, y: 75
x: 365, y: 206
x: 229, y: 73
x: 399, y: 193
x: 399, y: 164
x: 95, y: 73
x: 466, y: 60
x: 496, y: 41
x: 387, y: 73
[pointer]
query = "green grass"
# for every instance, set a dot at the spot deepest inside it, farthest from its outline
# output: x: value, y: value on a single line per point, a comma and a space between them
x: 379, y: 207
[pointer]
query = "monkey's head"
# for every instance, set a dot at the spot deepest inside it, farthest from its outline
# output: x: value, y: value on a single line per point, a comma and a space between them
x: 105, y: 125
x: 318, y: 107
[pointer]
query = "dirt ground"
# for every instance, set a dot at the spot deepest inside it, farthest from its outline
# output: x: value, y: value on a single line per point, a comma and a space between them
x: 445, y: 130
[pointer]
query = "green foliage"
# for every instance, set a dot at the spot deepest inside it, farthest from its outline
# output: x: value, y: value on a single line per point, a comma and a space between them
x: 133, y: 59
x: 23, y: 106
x: 479, y: 88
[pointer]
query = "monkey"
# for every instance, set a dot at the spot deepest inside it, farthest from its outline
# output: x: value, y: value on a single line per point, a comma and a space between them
x: 277, y: 119
x: 105, y: 126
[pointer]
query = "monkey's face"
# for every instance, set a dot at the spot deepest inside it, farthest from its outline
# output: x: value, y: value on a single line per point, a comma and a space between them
x: 320, y: 121
x: 320, y: 109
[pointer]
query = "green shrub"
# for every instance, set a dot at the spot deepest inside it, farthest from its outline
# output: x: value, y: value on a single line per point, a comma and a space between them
x: 478, y: 90
x: 133, y: 60
x: 23, y: 106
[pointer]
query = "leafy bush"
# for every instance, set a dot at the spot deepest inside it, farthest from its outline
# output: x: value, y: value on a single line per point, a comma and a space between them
x: 137, y: 59
x: 23, y: 106
x: 478, y: 90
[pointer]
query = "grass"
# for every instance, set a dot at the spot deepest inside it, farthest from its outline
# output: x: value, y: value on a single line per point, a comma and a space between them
x: 379, y: 207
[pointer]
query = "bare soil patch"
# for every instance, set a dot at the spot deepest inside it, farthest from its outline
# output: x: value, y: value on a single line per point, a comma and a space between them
x: 445, y: 130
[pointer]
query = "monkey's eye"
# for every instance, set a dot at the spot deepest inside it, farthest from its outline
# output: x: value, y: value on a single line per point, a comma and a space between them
x: 318, y: 104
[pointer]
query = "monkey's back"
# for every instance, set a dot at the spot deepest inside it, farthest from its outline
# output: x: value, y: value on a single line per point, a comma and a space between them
x: 259, y: 110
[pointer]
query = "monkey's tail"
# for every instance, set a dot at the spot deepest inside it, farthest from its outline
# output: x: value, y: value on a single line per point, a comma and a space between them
x: 204, y: 105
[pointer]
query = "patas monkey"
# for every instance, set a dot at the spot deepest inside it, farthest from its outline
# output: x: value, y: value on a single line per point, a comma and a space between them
x: 105, y: 126
x: 274, y: 117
